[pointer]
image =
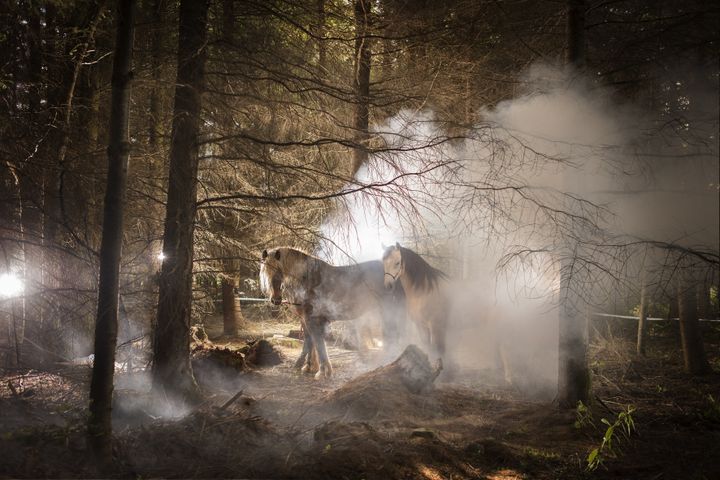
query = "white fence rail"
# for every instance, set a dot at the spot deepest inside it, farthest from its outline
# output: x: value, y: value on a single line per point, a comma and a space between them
x: 651, y: 319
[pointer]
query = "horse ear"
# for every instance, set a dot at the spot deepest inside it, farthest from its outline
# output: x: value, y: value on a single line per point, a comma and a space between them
x: 397, y: 245
x: 264, y: 254
x: 277, y: 254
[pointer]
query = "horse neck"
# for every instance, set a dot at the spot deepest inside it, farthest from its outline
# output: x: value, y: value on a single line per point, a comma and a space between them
x: 300, y: 275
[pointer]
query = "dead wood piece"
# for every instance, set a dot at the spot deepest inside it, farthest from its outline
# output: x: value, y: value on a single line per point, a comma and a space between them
x: 12, y: 388
x: 422, y: 433
x: 199, y: 339
x: 263, y: 354
x: 411, y: 369
x: 297, y: 334
x: 401, y: 387
x: 225, y: 358
x: 334, y: 431
x: 415, y: 370
x: 232, y: 400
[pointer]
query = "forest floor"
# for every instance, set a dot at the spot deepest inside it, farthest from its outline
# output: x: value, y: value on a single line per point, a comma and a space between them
x: 288, y: 425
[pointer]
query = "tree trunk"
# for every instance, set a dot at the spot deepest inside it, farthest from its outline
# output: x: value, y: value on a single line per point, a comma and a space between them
x: 57, y: 209
x: 172, y: 372
x: 91, y: 110
x: 673, y: 311
x: 361, y: 83
x: 321, y: 32
x: 573, y: 372
x: 576, y: 33
x: 703, y: 301
x: 156, y: 15
x: 642, y: 321
x: 693, y: 352
x: 101, y: 387
x: 228, y: 21
x: 34, y: 61
x: 230, y: 316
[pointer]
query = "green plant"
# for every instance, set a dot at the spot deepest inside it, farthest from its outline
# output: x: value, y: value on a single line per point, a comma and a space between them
x: 583, y: 416
x: 625, y: 425
x: 712, y: 410
x: 539, y: 454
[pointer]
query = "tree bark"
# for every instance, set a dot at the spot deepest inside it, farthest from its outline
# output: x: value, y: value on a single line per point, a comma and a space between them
x: 642, y: 321
x: 57, y: 209
x: 34, y: 60
x: 91, y: 112
x: 321, y: 32
x: 693, y: 352
x: 228, y: 21
x: 703, y: 301
x: 230, y: 316
x: 172, y: 371
x: 156, y: 15
x: 573, y: 372
x: 361, y: 83
x: 101, y: 387
x: 576, y: 33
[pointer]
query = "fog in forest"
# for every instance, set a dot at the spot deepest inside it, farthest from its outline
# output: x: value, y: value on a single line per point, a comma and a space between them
x: 189, y: 187
x: 567, y: 144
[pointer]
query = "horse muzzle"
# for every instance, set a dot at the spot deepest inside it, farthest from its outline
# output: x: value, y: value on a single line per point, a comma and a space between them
x: 276, y: 301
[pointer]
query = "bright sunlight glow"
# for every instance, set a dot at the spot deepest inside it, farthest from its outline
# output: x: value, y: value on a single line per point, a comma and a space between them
x: 10, y: 285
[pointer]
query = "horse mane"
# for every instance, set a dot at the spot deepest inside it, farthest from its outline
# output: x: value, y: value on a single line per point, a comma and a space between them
x: 419, y: 272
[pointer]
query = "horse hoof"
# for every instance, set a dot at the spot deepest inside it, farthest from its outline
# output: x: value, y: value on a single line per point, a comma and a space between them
x: 323, y: 373
x: 308, y: 370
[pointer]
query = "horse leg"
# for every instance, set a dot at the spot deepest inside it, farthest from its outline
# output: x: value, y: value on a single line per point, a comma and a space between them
x: 438, y: 337
x: 306, y: 350
x: 313, y: 363
x: 426, y: 335
x: 308, y: 360
x: 501, y: 362
x: 317, y: 331
x: 390, y: 313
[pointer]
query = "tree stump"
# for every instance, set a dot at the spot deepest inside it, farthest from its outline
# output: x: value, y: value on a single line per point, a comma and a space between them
x: 414, y: 369
x: 403, y: 385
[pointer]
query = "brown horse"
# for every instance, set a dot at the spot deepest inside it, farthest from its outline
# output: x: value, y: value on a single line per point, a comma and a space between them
x: 429, y: 305
x: 322, y: 293
x: 425, y: 287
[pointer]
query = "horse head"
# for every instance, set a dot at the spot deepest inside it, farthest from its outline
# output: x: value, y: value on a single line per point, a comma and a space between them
x: 271, y: 276
x: 393, y: 265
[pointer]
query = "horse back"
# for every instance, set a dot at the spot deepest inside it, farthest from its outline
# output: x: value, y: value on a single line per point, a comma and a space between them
x: 351, y: 290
